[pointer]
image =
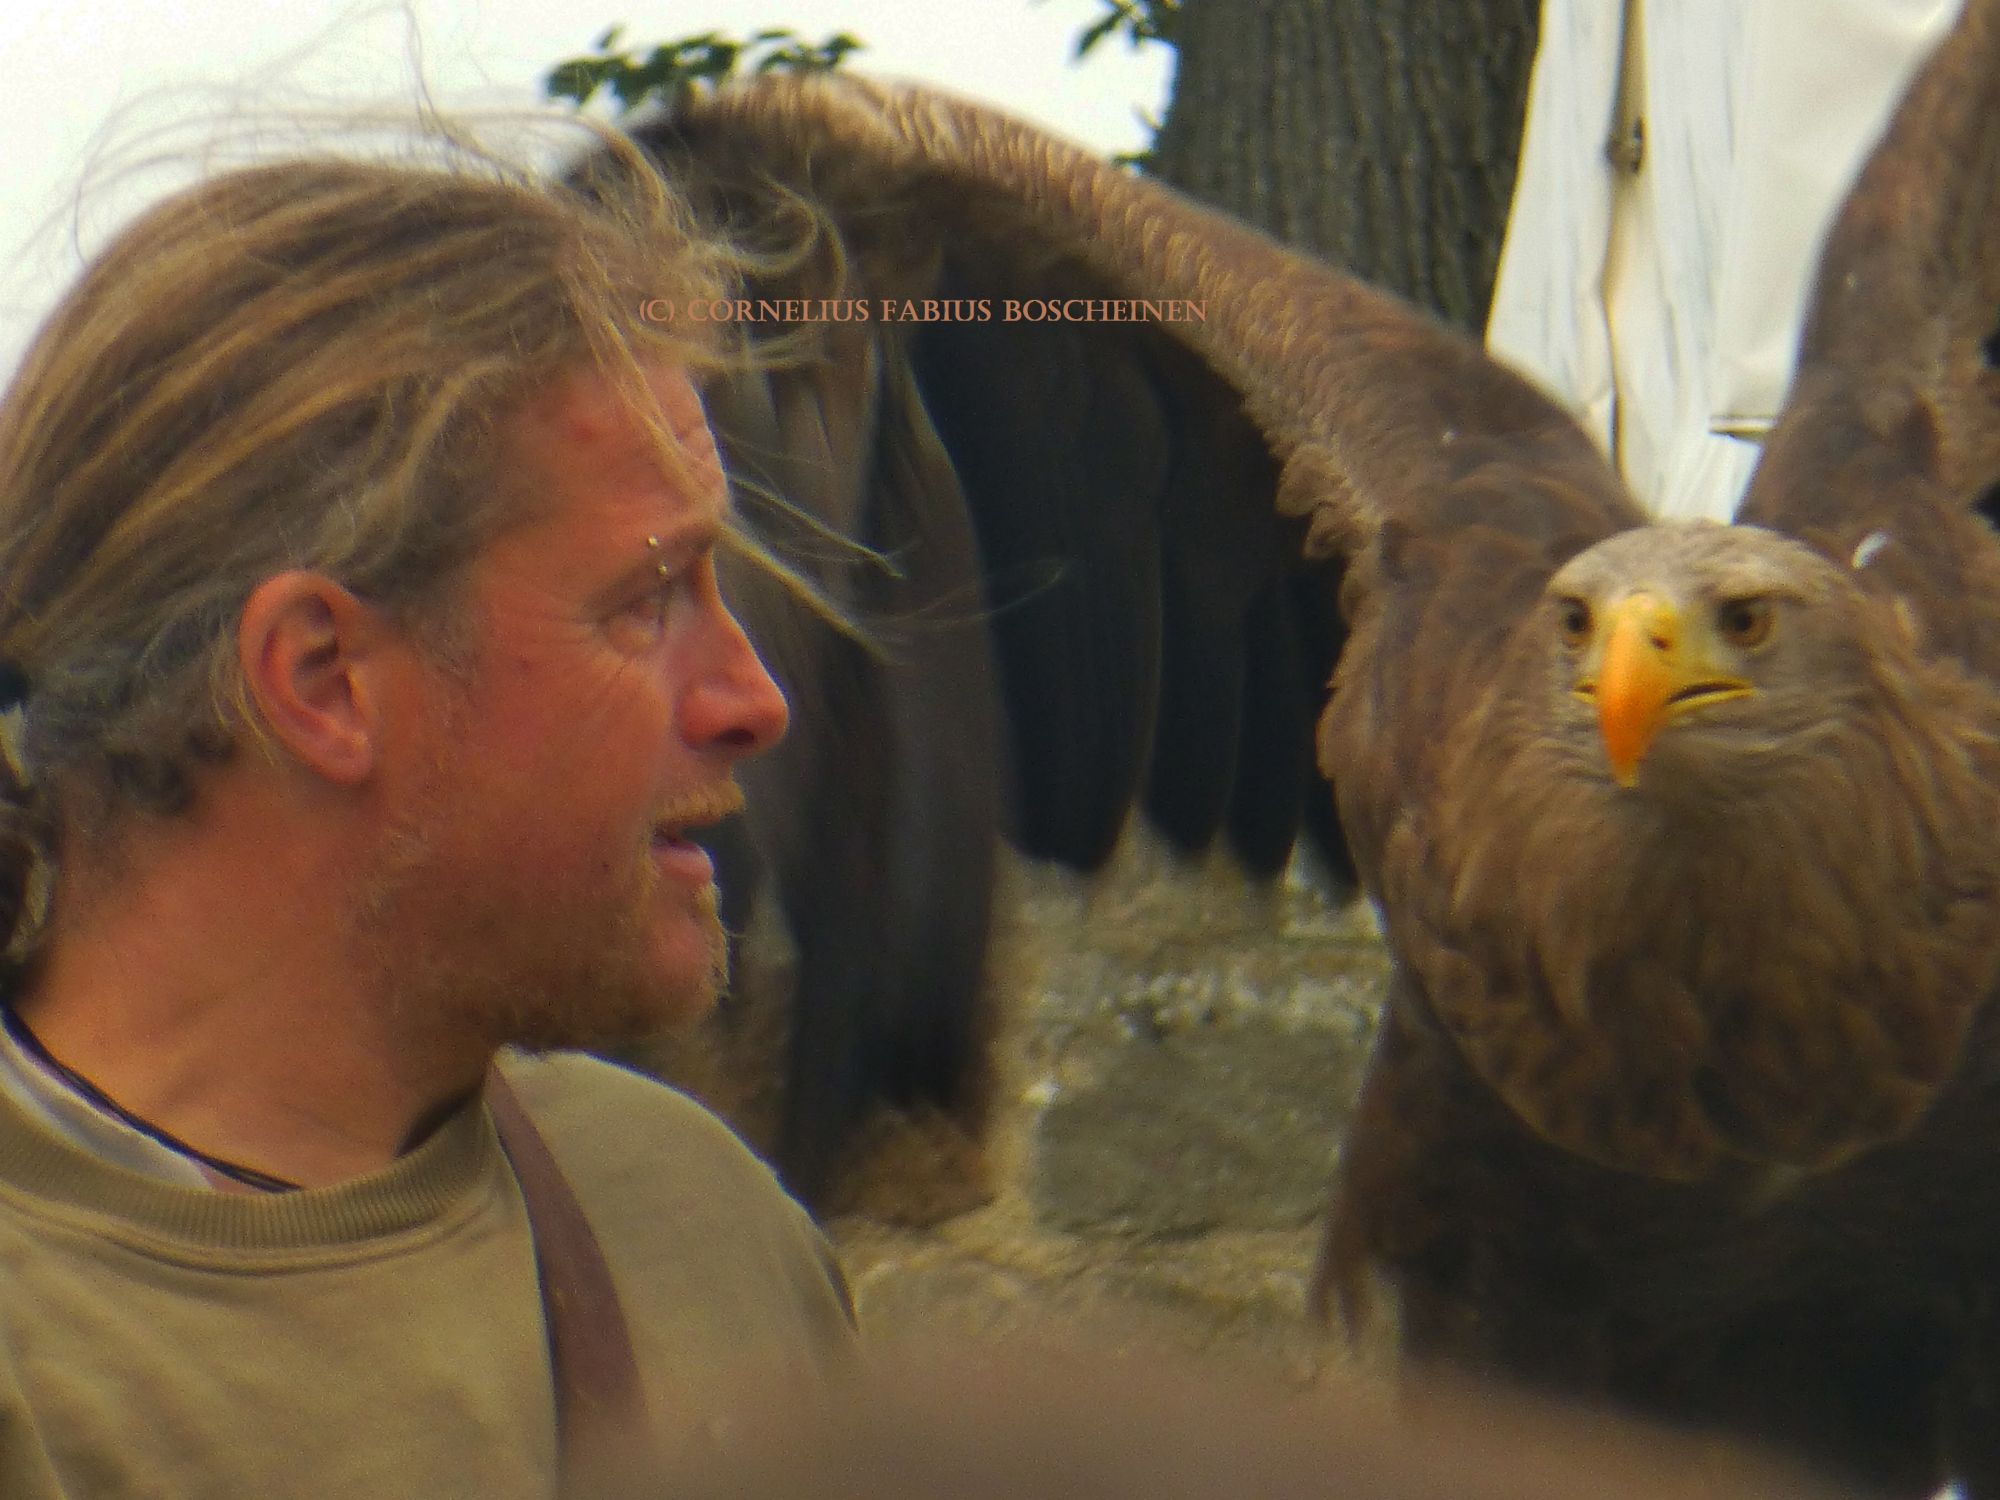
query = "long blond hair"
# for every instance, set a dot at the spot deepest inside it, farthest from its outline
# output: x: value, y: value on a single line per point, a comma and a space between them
x: 294, y: 364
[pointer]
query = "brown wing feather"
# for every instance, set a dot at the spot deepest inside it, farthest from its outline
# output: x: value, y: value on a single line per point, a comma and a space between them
x: 1893, y: 422
x: 1140, y: 493
x: 1371, y: 396
x: 1384, y: 423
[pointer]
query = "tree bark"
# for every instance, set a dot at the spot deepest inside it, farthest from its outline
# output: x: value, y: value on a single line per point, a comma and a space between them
x: 1380, y: 134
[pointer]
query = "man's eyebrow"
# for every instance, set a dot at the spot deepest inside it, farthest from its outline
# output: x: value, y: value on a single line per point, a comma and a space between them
x: 695, y: 534
x: 671, y: 548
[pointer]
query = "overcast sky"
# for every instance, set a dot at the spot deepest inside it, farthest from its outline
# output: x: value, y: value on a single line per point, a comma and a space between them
x: 91, y: 82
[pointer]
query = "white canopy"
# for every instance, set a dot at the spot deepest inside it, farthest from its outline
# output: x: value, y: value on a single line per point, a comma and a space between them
x: 1661, y: 301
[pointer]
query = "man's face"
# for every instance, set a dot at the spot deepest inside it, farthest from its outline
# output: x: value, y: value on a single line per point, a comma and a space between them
x: 538, y: 886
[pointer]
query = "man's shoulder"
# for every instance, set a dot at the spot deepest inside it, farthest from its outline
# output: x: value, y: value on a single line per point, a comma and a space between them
x: 578, y: 1100
x: 634, y: 1147
x: 558, y: 1081
x: 686, y: 1211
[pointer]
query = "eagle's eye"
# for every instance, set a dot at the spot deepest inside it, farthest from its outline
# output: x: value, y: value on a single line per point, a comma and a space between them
x: 1744, y: 622
x: 1573, y: 618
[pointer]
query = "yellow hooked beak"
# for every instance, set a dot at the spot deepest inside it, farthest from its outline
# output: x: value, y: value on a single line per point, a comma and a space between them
x: 1650, y: 669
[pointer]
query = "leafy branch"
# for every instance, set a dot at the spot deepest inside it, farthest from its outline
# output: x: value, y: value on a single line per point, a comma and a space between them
x: 1142, y: 21
x: 709, y: 58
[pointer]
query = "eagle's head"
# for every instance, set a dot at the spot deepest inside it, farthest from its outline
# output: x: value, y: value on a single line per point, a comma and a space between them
x: 1703, y: 656
x: 1714, y: 881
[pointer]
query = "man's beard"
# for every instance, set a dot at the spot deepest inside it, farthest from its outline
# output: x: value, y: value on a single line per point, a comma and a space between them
x: 467, y: 952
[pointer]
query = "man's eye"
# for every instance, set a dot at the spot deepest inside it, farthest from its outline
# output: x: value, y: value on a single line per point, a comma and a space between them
x: 659, y: 600
x: 653, y: 609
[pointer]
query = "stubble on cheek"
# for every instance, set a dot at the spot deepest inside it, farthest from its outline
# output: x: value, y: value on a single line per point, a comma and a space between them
x: 463, y: 952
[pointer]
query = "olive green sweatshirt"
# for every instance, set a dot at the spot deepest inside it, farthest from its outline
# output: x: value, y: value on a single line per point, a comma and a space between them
x: 384, y: 1338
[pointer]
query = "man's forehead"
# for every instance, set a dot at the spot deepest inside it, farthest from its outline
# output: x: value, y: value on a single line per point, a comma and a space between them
x: 588, y: 417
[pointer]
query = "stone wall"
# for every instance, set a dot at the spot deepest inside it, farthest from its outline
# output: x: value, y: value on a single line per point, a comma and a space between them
x: 1179, y: 1055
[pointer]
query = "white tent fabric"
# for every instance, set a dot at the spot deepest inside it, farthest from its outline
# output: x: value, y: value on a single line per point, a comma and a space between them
x: 1661, y: 303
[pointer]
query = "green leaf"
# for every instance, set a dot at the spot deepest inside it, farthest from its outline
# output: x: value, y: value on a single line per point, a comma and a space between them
x: 708, y: 58
x: 1096, y: 32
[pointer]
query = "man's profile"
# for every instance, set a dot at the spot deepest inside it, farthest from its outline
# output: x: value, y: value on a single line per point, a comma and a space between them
x: 368, y: 673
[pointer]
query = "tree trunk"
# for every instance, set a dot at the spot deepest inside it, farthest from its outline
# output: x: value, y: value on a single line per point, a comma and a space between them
x: 1381, y: 134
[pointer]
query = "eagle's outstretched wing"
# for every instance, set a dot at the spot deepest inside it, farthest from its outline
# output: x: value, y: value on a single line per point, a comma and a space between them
x: 1091, y: 432
x: 1888, y: 450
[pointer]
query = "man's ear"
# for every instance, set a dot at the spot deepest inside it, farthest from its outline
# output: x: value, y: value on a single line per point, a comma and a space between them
x: 309, y: 652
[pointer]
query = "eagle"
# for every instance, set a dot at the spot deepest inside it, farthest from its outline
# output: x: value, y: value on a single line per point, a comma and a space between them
x: 1685, y: 838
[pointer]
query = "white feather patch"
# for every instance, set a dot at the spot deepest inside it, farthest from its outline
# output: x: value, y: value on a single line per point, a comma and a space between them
x: 1869, y: 548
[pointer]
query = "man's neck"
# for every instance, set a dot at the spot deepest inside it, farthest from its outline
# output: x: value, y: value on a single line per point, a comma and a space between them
x: 217, y: 998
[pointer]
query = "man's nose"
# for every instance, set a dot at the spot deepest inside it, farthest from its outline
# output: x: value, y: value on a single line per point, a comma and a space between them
x: 737, y: 706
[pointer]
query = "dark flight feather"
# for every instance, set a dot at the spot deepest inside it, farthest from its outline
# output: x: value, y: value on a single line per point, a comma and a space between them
x: 1133, y: 609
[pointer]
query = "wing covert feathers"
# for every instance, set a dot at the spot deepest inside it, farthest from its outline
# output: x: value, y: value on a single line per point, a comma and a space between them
x: 1365, y: 401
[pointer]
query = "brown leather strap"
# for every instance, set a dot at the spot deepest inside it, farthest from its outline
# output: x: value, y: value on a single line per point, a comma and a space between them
x: 601, y: 1425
